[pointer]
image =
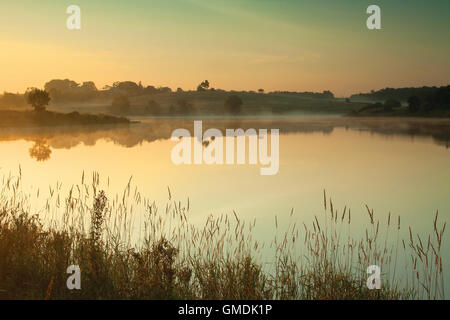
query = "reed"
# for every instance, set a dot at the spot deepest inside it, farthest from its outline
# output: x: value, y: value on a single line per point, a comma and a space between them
x: 164, y: 256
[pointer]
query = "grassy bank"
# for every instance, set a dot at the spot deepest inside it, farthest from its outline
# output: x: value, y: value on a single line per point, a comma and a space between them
x: 379, y: 110
x: 174, y: 259
x: 28, y: 118
x: 212, y: 104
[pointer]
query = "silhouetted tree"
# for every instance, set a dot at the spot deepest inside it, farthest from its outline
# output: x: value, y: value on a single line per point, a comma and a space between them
x: 391, y: 104
x: 400, y: 94
x: 414, y: 104
x: 68, y: 90
x: 60, y: 86
x: 233, y: 104
x: 164, y: 90
x: 441, y: 100
x: 204, y: 86
x: 150, y: 90
x: 89, y: 86
x: 261, y: 90
x: 39, y: 99
x: 328, y: 94
x: 128, y: 88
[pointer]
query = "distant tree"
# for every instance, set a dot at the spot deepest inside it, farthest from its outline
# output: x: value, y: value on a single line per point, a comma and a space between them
x: 347, y: 100
x: 39, y: 99
x: 9, y: 99
x: 62, y: 90
x: 400, y: 94
x: 150, y: 90
x: 441, y: 99
x: 88, y: 90
x: 120, y: 104
x: 204, y: 86
x: 184, y: 106
x: 261, y: 90
x: 391, y: 104
x: 60, y: 86
x: 179, y: 90
x: 414, y: 103
x: 233, y: 104
x: 164, y: 90
x: 128, y: 88
x: 89, y: 86
x: 66, y: 90
x: 153, y: 107
x: 328, y: 94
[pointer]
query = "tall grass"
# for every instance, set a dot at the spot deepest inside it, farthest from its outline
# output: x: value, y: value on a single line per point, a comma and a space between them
x: 167, y: 257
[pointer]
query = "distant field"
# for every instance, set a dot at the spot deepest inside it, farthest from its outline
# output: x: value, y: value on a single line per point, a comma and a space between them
x: 213, y: 103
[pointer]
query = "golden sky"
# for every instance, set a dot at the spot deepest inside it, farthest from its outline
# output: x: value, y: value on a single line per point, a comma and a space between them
x: 242, y: 45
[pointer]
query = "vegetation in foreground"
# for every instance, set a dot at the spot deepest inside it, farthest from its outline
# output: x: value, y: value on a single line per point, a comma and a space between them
x: 173, y: 259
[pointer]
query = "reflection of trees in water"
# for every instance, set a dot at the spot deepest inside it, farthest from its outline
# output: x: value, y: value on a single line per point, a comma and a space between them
x: 161, y: 129
x: 40, y: 150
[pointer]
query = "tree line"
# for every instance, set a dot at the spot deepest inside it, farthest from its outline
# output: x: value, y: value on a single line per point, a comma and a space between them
x: 425, y: 102
x: 68, y: 91
x: 121, y: 105
x: 400, y: 94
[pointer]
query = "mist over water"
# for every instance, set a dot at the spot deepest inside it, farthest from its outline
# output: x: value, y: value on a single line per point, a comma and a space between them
x: 397, y: 166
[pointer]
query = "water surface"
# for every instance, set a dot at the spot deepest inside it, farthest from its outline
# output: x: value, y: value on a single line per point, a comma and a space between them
x: 397, y: 166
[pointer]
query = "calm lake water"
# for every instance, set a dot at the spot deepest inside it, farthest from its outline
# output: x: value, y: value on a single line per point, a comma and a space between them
x: 401, y: 166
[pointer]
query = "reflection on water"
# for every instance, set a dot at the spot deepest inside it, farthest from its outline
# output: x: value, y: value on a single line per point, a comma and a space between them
x: 398, y: 166
x: 40, y: 150
x: 48, y: 138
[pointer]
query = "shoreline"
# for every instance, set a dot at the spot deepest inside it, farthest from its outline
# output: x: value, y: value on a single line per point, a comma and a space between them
x: 33, y: 119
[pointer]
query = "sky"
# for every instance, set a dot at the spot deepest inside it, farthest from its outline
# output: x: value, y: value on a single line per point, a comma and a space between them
x: 292, y: 45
